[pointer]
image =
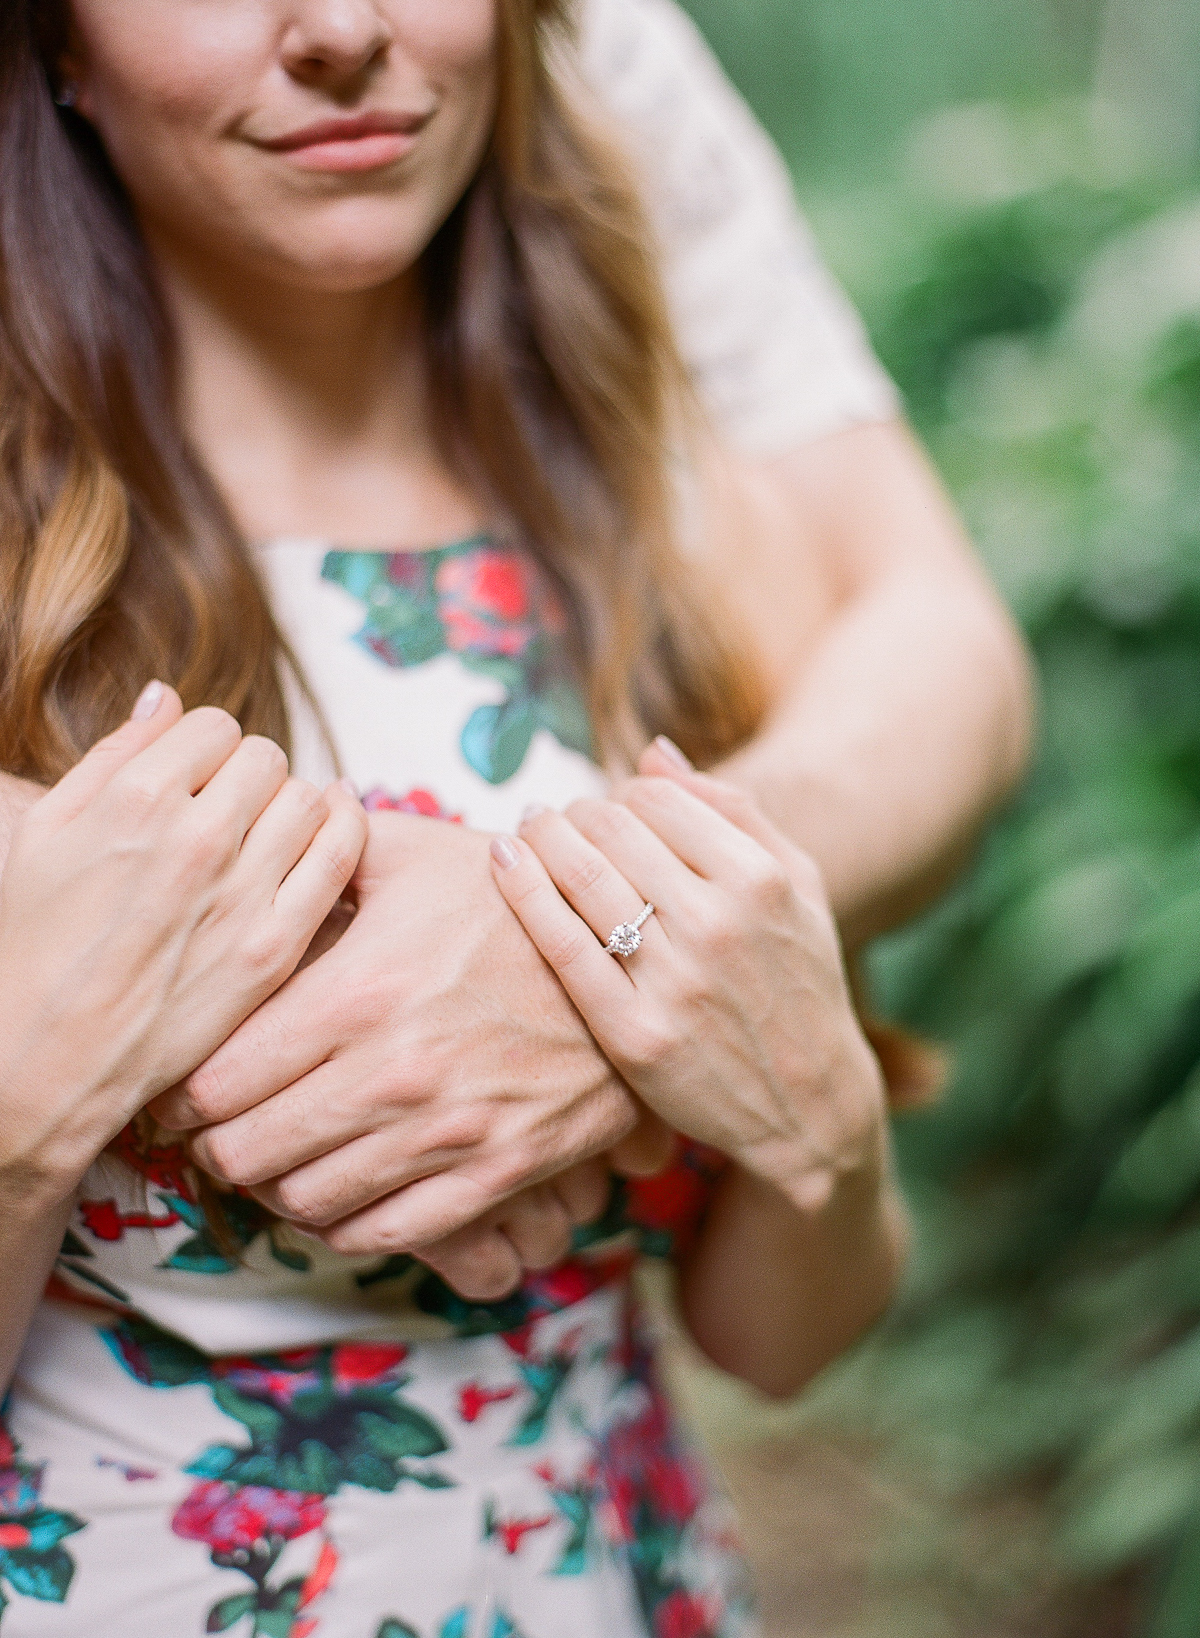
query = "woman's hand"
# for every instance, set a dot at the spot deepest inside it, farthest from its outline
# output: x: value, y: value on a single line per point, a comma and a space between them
x: 733, y: 1020
x: 150, y: 901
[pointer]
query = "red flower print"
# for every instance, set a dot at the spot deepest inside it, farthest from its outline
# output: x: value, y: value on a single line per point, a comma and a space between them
x: 14, y: 1535
x: 318, y: 1579
x: 473, y: 1400
x: 512, y: 1532
x: 226, y: 1518
x: 682, y: 1615
x: 260, y: 1380
x: 101, y: 1218
x: 366, y: 1364
x: 422, y: 803
x: 485, y: 602
x: 568, y: 1284
x: 166, y: 1165
x: 672, y: 1487
x: 500, y: 586
x: 8, y: 1451
x: 407, y: 570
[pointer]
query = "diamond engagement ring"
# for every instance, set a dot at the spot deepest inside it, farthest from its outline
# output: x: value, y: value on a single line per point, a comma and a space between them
x: 627, y: 937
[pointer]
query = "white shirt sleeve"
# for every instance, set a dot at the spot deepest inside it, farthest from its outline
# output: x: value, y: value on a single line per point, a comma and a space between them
x: 777, y: 353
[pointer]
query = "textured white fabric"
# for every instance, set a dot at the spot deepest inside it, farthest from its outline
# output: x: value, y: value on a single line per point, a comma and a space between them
x: 776, y: 351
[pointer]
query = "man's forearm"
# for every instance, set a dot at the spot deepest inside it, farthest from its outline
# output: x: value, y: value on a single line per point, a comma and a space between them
x: 903, y: 691
x: 909, y: 724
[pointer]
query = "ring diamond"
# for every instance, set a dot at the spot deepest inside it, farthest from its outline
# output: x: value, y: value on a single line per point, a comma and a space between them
x: 626, y: 938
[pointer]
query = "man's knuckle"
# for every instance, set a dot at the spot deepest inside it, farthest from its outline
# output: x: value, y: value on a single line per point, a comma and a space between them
x: 463, y: 1129
x: 300, y: 1201
x: 714, y: 930
x: 206, y: 1093
x: 225, y: 1157
x: 649, y: 1044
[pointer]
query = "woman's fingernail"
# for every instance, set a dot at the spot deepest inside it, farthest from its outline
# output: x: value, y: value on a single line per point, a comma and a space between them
x: 148, y: 702
x: 504, y: 851
x: 350, y: 788
x: 673, y: 754
x: 532, y: 811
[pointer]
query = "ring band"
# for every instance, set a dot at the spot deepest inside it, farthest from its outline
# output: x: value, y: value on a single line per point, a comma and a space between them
x: 626, y: 938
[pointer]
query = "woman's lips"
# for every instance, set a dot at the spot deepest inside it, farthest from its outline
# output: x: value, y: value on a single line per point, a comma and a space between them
x: 363, y: 144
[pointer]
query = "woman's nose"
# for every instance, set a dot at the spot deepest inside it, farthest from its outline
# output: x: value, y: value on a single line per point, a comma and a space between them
x: 334, y: 40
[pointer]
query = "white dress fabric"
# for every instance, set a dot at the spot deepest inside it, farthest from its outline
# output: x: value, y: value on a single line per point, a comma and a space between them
x: 294, y: 1445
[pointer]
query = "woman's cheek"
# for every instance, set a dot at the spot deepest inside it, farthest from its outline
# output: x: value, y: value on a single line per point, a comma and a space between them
x: 447, y: 40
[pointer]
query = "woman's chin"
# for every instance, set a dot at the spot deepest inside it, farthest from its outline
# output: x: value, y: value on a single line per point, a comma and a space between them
x: 337, y: 268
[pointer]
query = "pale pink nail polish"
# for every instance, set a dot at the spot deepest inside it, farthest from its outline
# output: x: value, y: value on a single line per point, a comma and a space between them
x: 673, y: 754
x: 148, y: 702
x: 505, y: 852
x: 350, y: 788
x: 533, y: 810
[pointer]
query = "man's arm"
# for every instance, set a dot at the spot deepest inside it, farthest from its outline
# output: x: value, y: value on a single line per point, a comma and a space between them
x: 903, y: 691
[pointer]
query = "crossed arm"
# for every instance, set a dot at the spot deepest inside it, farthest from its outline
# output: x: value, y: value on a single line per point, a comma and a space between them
x: 892, y: 737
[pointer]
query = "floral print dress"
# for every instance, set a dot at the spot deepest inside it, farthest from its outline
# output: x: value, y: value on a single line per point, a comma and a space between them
x: 290, y: 1443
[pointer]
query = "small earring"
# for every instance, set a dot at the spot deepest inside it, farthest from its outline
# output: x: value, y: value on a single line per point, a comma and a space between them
x: 68, y: 94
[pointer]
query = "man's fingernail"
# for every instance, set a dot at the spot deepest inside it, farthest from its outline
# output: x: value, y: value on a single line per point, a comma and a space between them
x: 505, y: 852
x: 673, y: 754
x: 532, y: 811
x: 148, y: 702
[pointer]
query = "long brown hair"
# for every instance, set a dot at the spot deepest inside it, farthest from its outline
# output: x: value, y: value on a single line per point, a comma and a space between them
x: 556, y: 394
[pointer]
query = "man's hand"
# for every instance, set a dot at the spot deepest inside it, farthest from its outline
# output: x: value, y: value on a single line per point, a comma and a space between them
x: 426, y: 1068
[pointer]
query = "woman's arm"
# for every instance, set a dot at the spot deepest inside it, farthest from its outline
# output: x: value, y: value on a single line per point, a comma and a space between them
x: 768, y: 1293
x: 31, y: 1231
x: 734, y: 1022
x: 148, y: 902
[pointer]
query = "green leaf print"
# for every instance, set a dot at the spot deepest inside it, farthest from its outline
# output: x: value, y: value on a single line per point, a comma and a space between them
x: 429, y: 1479
x: 391, y: 1628
x: 154, y: 1357
x: 264, y: 1421
x: 47, y: 1529
x: 392, y: 1268
x: 402, y: 1431
x: 45, y: 1576
x: 563, y: 711
x: 543, y: 1381
x: 224, y: 1615
x: 494, y: 609
x: 497, y: 738
x: 403, y: 627
x: 73, y: 1246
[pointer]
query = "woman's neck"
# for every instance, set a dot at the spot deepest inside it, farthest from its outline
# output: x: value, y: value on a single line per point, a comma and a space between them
x: 309, y: 408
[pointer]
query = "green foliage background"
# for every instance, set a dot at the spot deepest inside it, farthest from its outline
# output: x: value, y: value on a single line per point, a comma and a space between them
x: 1028, y: 259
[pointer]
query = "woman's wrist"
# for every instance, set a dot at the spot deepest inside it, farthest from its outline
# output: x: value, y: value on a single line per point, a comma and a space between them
x: 809, y: 1167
